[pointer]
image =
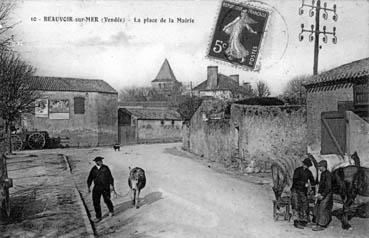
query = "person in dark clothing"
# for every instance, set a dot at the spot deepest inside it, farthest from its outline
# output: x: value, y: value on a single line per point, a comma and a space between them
x: 103, y: 185
x: 324, y: 204
x: 302, y: 176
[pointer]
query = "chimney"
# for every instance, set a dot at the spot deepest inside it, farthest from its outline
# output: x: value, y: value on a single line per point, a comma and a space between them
x: 236, y: 78
x: 212, y: 79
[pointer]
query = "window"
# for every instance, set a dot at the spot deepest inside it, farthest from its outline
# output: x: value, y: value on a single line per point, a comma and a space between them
x: 79, y: 105
x: 172, y: 122
x: 162, y: 122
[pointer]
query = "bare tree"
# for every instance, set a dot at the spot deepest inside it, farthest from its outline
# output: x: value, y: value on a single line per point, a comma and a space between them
x: 6, y: 6
x: 294, y: 92
x: 134, y: 94
x: 186, y: 106
x: 140, y: 94
x: 16, y: 94
x: 262, y: 89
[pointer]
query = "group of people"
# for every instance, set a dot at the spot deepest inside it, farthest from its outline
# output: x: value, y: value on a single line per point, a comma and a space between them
x: 302, y: 180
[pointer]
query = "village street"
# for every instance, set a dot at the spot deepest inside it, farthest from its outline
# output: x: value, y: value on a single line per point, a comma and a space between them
x: 188, y: 197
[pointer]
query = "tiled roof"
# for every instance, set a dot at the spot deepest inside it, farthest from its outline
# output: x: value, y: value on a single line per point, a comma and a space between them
x: 165, y: 73
x: 154, y: 113
x: 143, y: 104
x: 70, y: 84
x: 347, y: 72
x: 224, y: 83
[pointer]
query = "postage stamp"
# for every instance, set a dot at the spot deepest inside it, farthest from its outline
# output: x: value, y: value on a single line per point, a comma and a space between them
x: 238, y: 34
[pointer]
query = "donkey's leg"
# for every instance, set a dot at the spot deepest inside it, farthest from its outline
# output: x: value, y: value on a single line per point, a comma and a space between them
x: 133, y: 197
x: 345, y: 224
x: 346, y: 205
x: 137, y: 198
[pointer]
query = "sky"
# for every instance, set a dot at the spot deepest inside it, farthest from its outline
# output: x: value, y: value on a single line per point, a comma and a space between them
x: 127, y: 54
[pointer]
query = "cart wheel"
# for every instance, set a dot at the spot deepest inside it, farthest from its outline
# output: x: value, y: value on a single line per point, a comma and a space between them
x: 36, y: 141
x: 17, y: 143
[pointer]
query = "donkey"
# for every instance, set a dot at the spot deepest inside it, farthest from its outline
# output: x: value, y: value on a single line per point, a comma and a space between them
x: 348, y: 182
x: 136, y: 182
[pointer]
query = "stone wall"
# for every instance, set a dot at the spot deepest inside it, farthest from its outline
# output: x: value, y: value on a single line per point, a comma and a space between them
x: 186, y: 136
x: 320, y: 100
x: 208, y: 137
x: 253, y: 133
x: 155, y: 131
x: 265, y: 133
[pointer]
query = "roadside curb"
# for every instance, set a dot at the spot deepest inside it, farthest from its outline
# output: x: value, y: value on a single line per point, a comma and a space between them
x: 82, y: 204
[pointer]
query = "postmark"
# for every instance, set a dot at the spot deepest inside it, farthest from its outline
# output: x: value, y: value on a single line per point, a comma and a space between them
x: 238, y: 35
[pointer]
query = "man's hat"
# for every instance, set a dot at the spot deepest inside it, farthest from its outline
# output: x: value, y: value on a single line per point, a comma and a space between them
x: 323, y: 163
x: 307, y: 162
x: 99, y: 158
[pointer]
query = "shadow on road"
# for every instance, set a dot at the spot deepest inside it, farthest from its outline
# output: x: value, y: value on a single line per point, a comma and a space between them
x: 147, y: 200
x: 361, y: 211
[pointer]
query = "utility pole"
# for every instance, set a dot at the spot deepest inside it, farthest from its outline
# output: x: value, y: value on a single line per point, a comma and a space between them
x: 191, y: 88
x: 315, y: 9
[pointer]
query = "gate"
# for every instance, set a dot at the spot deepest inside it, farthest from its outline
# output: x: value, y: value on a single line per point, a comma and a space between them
x: 333, y: 129
x: 127, y: 135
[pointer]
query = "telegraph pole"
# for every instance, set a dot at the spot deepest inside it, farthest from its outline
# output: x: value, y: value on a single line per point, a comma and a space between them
x: 314, y: 33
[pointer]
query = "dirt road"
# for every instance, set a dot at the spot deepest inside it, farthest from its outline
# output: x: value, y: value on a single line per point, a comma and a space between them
x: 185, y: 198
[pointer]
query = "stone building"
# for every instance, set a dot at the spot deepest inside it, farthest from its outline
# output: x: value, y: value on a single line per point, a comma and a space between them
x: 221, y: 86
x: 82, y: 111
x: 165, y: 82
x: 147, y: 125
x: 340, y: 89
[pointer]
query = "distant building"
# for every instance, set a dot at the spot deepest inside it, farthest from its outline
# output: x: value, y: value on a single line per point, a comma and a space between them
x: 146, y: 125
x: 165, y: 82
x: 341, y: 89
x: 83, y: 111
x: 221, y: 86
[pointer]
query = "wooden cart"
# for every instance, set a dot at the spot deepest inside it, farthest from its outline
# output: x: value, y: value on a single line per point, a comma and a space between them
x: 282, y: 208
x: 34, y: 140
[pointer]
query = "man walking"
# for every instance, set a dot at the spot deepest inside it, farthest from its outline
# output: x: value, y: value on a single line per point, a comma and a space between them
x: 103, y: 185
x: 301, y: 178
x: 324, y: 205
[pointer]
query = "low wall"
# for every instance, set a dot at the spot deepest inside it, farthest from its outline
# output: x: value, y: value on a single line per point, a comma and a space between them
x: 265, y: 133
x: 206, y: 137
x: 253, y: 133
x: 155, y: 131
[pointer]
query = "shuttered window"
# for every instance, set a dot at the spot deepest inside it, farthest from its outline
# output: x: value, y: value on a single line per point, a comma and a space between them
x: 79, y: 105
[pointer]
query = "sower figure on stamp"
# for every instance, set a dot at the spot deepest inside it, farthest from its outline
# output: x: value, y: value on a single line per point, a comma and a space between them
x: 234, y: 30
x: 324, y: 205
x: 103, y: 185
x: 302, y: 176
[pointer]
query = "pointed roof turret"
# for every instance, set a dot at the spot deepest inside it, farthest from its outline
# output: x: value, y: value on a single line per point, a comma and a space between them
x: 165, y: 73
